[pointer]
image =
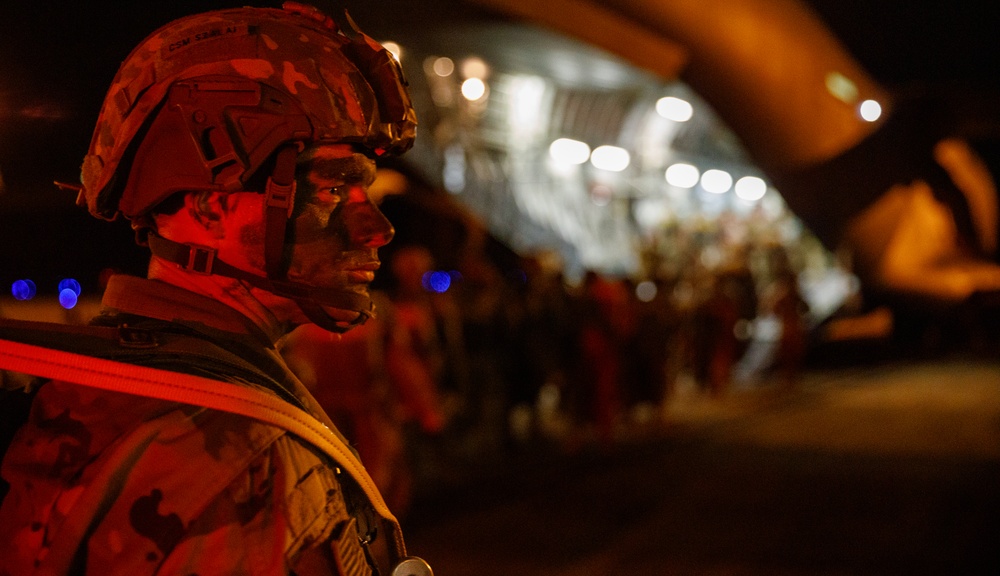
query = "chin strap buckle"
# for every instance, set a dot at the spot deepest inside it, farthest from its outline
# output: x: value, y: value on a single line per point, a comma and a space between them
x: 281, y: 196
x: 200, y: 259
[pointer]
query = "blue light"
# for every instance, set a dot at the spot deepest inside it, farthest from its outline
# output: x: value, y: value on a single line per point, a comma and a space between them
x: 23, y: 289
x: 436, y: 281
x: 71, y: 284
x: 67, y: 298
x: 440, y: 282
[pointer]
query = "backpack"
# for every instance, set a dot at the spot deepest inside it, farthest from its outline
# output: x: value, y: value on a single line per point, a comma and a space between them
x: 154, y: 345
x: 100, y: 356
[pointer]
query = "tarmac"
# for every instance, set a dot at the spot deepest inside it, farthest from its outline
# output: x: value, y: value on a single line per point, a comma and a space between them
x: 873, y: 470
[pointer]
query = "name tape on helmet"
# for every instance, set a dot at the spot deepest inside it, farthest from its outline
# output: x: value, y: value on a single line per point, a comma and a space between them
x: 211, y: 33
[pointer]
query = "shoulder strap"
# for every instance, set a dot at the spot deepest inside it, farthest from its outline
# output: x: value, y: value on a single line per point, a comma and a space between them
x: 195, y: 390
x: 156, y: 344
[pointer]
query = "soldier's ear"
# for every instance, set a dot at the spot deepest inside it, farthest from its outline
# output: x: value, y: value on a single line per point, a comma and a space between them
x: 207, y: 209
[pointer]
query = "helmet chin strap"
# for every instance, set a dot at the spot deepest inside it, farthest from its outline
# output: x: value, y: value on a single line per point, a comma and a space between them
x: 310, y: 299
x: 278, y: 205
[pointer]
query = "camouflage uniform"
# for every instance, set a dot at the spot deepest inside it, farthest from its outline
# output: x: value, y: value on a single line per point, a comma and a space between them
x: 109, y: 483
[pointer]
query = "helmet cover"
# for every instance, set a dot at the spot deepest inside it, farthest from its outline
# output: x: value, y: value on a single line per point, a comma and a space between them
x: 204, y: 101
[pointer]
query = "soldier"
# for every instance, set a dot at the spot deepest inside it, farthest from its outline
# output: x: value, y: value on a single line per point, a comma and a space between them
x: 240, y: 144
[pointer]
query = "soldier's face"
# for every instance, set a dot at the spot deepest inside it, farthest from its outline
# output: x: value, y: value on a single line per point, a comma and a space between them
x: 336, y: 228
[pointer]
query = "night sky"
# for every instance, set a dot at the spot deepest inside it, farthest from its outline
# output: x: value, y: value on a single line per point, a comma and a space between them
x: 57, y: 59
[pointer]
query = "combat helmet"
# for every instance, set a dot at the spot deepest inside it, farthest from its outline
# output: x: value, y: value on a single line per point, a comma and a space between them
x: 209, y: 101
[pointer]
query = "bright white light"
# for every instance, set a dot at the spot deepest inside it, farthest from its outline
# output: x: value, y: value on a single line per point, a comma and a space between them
x: 870, y: 110
x: 675, y: 109
x: 682, y: 175
x: 443, y: 66
x: 569, y: 151
x: 475, y: 68
x: 610, y: 158
x: 473, y: 89
x: 716, y: 181
x: 645, y: 291
x: 751, y: 188
x: 527, y: 94
x: 394, y: 49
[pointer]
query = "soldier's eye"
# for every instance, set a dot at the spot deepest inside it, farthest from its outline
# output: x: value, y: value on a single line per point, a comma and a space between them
x: 331, y: 196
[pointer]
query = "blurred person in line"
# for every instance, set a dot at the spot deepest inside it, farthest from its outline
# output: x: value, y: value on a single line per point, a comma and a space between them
x: 783, y: 299
x: 240, y: 144
x: 542, y: 346
x: 372, y: 384
x: 491, y: 314
x: 429, y: 319
x: 716, y: 346
x: 605, y: 325
x: 425, y: 309
x: 656, y: 331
